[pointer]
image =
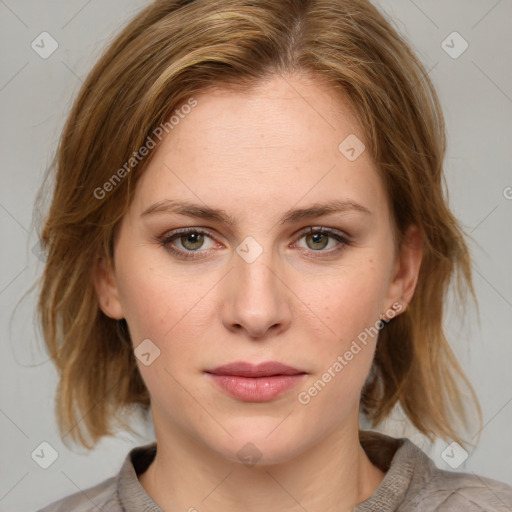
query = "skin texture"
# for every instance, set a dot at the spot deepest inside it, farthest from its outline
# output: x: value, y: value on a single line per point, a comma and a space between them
x: 256, y: 156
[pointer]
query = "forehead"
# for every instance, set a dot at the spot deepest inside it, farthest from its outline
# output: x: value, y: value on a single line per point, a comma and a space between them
x: 279, y: 143
x: 274, y: 113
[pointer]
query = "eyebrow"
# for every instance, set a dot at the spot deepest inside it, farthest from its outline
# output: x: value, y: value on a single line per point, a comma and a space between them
x: 217, y: 214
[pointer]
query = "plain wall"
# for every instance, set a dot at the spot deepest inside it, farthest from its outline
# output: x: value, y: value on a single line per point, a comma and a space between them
x: 35, y: 95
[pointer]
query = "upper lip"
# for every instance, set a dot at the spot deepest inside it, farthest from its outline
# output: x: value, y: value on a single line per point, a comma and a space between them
x: 266, y: 369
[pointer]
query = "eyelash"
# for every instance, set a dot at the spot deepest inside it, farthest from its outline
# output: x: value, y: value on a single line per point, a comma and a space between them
x: 165, y: 241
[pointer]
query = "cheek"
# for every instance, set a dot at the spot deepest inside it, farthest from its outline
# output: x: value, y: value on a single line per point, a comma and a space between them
x: 173, y: 310
x: 154, y: 303
x: 167, y: 311
x: 351, y: 299
x: 346, y: 329
x: 344, y: 352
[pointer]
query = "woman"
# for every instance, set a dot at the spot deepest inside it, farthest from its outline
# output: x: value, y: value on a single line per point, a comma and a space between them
x: 249, y: 234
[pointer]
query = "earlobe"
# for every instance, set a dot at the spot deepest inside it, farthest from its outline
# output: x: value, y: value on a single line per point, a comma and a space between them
x: 106, y: 289
x: 408, y: 266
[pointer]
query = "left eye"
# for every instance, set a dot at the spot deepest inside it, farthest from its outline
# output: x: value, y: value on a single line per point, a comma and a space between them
x: 320, y: 237
x: 193, y: 239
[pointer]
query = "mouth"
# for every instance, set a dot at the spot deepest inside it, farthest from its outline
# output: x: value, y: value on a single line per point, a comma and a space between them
x: 256, y: 383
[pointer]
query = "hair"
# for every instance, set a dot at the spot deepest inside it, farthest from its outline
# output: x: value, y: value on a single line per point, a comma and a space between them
x: 175, y: 49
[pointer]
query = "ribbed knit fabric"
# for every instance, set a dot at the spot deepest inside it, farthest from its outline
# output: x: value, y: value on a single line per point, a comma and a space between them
x: 412, y: 483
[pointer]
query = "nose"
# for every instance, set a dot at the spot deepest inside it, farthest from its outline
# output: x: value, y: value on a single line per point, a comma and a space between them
x: 257, y: 299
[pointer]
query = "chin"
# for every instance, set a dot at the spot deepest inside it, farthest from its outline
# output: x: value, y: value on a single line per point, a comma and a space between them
x: 258, y: 441
x: 259, y: 453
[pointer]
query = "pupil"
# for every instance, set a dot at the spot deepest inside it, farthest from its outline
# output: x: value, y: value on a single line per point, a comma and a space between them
x: 316, y: 237
x: 192, y: 238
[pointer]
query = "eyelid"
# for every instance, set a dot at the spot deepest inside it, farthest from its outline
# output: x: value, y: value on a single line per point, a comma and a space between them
x: 301, y: 232
x: 324, y: 229
x: 172, y: 235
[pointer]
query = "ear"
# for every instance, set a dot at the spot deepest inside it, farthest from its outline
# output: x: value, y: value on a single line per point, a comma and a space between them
x: 106, y: 289
x: 407, y: 267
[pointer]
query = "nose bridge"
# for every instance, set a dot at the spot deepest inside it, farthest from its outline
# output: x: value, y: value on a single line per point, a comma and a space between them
x: 257, y: 276
x: 255, y: 270
x: 257, y: 299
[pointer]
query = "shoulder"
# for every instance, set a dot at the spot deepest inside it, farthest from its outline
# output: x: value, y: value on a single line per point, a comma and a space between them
x: 437, y: 490
x: 100, y: 497
x: 117, y: 493
x: 413, y: 483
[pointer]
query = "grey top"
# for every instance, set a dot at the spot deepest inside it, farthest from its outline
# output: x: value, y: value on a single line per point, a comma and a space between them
x: 412, y: 483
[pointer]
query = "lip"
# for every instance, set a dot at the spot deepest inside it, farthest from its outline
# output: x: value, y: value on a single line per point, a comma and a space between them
x: 266, y: 369
x: 256, y: 383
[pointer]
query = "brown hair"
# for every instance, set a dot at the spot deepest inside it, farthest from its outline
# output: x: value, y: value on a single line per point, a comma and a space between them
x: 174, y: 49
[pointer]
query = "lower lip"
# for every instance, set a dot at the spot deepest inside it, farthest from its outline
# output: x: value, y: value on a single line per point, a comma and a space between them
x: 256, y: 389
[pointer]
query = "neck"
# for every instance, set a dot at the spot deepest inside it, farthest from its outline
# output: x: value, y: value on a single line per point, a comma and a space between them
x: 334, y: 475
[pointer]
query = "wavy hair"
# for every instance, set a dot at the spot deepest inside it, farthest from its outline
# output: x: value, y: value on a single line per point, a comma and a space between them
x: 173, y: 50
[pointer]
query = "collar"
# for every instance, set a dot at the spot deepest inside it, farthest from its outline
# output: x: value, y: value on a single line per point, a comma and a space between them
x: 399, y: 458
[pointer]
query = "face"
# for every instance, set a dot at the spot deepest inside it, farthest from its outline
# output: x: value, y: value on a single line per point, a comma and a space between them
x: 212, y: 268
